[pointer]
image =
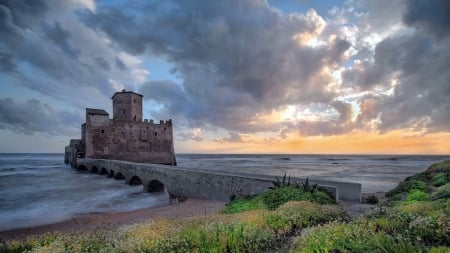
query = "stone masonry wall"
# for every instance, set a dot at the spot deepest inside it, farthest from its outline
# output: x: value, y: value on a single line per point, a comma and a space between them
x: 133, y: 141
x: 127, y: 106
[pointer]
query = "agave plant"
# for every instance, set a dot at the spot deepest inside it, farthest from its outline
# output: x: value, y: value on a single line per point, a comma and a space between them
x: 281, y: 183
x: 307, y: 186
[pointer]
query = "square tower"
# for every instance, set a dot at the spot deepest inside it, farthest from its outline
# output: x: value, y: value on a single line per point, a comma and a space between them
x: 127, y: 105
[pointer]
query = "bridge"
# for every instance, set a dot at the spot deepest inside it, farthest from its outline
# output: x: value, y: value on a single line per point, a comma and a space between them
x: 200, y: 183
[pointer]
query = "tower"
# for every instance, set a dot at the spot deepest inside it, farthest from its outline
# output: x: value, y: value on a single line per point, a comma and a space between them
x: 127, y: 105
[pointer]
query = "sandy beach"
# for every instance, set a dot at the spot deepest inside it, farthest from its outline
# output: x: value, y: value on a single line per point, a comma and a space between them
x: 189, y: 208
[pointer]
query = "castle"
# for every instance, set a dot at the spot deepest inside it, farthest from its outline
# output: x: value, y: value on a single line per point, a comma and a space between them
x: 124, y: 137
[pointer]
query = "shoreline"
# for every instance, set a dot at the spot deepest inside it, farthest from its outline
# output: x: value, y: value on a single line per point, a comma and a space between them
x: 191, y: 207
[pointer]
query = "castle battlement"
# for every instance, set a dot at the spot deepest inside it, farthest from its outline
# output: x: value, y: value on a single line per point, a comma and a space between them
x: 127, y: 136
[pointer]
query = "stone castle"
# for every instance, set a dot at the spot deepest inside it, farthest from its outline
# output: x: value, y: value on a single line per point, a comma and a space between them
x: 125, y: 137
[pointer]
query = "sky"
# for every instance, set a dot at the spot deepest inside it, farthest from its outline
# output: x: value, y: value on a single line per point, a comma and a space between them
x: 235, y: 76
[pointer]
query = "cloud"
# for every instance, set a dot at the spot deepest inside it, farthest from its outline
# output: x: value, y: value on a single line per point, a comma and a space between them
x: 33, y: 116
x: 430, y: 16
x: 237, y: 59
x: 60, y: 37
x: 45, y: 48
x: 233, y: 138
x: 237, y: 64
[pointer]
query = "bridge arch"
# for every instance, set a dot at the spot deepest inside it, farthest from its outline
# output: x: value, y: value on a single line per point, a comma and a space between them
x: 135, y: 180
x: 81, y: 167
x: 155, y: 186
x: 111, y: 173
x: 94, y: 169
x: 119, y: 176
x: 103, y: 171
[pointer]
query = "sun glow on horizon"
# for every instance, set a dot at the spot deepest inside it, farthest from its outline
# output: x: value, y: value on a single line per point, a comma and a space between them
x: 358, y: 142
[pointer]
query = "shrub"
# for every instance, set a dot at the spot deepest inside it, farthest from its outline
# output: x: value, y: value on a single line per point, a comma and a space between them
x: 388, y: 231
x: 442, y: 192
x: 440, y: 179
x: 443, y: 167
x: 245, y: 204
x: 372, y: 199
x: 277, y: 196
x: 407, y: 186
x: 417, y: 195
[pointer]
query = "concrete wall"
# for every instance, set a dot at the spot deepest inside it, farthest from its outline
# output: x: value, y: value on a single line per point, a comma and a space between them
x: 187, y: 182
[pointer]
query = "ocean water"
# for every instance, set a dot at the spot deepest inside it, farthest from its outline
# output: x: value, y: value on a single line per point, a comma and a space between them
x: 37, y: 189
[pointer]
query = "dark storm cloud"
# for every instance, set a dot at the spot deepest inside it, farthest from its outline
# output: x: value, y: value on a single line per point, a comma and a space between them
x: 237, y: 59
x: 33, y: 116
x: 60, y: 37
x: 431, y: 16
x: 24, y: 13
x: 47, y: 48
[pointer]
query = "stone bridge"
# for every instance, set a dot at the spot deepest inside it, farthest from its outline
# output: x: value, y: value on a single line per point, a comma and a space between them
x: 197, y: 183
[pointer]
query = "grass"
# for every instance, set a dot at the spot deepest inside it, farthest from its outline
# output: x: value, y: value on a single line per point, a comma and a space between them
x: 272, y: 220
x: 416, y: 224
x: 282, y: 192
x: 252, y: 231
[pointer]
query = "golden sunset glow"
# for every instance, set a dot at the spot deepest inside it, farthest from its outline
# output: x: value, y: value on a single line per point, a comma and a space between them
x: 397, y: 142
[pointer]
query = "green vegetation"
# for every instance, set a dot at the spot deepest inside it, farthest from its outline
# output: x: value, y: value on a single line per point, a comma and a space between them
x: 420, y: 223
x: 440, y: 179
x: 253, y: 231
x: 417, y: 224
x: 282, y: 192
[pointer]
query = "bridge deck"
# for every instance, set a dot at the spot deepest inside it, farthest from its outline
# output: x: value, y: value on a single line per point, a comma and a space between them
x: 201, y: 183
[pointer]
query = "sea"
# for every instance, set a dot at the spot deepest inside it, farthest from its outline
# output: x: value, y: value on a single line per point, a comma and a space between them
x: 38, y: 189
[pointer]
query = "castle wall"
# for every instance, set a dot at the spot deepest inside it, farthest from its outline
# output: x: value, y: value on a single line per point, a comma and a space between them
x: 143, y: 142
x: 93, y: 121
x: 72, y: 150
x: 125, y: 137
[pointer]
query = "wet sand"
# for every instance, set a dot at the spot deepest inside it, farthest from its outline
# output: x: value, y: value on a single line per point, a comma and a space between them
x: 189, y: 208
